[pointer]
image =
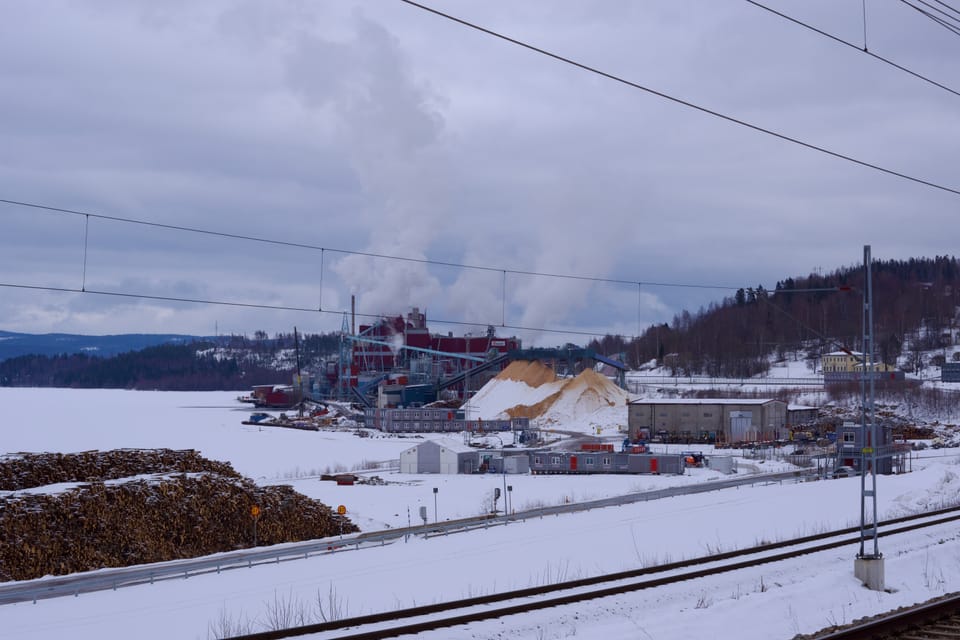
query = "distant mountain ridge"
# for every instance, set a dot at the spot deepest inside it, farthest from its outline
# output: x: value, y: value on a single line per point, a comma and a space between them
x: 14, y: 344
x: 158, y: 361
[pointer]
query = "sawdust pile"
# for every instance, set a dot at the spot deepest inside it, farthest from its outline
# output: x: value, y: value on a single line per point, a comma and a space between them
x: 532, y: 372
x: 530, y: 389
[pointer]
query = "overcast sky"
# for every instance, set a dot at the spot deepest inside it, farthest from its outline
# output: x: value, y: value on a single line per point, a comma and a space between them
x: 377, y: 127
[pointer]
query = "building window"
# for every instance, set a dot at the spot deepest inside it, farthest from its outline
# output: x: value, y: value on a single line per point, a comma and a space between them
x: 537, y: 460
x: 606, y: 461
x: 849, y: 437
x: 588, y: 460
x: 554, y: 459
x: 707, y: 414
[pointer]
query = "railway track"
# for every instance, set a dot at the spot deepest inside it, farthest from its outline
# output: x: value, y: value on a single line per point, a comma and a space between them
x: 112, y: 579
x: 935, y: 620
x: 458, y: 612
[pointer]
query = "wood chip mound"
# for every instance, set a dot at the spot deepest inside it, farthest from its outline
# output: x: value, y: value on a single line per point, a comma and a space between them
x: 532, y: 372
x: 174, y: 504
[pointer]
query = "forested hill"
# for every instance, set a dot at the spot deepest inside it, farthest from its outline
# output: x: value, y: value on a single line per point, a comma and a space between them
x: 915, y: 310
x: 229, y: 363
x: 54, y: 344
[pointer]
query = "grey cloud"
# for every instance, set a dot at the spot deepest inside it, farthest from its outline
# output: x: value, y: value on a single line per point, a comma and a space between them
x: 378, y: 127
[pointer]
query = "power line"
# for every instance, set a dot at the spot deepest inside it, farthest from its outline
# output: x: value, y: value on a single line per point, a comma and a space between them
x: 943, y: 23
x: 947, y: 6
x: 84, y: 290
x: 943, y: 13
x: 275, y: 307
x: 854, y: 46
x: 680, y: 101
x: 768, y: 300
x: 300, y: 245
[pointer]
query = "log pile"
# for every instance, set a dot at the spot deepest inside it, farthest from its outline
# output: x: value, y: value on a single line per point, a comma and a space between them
x: 27, y: 470
x: 119, y: 520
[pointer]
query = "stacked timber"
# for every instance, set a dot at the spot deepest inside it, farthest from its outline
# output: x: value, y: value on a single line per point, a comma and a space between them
x: 28, y: 470
x: 176, y: 505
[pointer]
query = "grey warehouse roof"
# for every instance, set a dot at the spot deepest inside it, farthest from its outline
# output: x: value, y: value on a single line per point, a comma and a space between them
x: 738, y: 401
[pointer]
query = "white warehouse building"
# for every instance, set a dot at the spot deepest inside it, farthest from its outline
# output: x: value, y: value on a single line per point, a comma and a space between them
x: 443, y: 455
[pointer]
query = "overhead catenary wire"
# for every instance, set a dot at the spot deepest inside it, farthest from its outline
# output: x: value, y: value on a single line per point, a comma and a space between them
x: 301, y: 245
x: 947, y: 6
x: 938, y: 10
x: 863, y: 49
x: 319, y: 309
x: 277, y: 307
x: 87, y: 215
x: 768, y: 300
x: 942, y: 22
x: 681, y: 101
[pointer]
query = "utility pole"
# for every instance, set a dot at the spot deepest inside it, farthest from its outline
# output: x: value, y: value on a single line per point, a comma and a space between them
x: 868, y: 566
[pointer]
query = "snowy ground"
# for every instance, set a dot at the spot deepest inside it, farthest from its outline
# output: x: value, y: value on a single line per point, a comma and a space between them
x: 778, y: 602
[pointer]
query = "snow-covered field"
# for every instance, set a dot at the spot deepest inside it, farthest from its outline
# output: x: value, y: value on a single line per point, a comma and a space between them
x: 763, y: 603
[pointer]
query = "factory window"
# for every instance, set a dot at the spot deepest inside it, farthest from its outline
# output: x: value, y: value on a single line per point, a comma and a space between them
x: 849, y: 437
x: 588, y: 460
x: 554, y: 459
x: 707, y: 414
x: 606, y: 461
x: 537, y: 460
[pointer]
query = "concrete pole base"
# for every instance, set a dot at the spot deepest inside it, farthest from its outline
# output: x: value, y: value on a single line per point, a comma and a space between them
x: 870, y: 572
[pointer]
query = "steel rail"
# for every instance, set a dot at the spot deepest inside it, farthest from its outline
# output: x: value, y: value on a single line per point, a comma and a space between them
x: 391, y: 617
x: 118, y: 577
x: 893, y: 625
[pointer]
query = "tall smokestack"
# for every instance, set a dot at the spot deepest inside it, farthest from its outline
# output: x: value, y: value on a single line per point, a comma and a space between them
x: 353, y: 315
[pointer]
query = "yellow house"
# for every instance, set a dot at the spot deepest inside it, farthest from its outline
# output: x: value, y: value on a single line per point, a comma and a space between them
x: 840, y: 362
x: 847, y: 362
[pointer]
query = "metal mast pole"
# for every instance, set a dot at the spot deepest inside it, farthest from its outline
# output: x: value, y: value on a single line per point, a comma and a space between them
x: 346, y: 360
x: 868, y: 455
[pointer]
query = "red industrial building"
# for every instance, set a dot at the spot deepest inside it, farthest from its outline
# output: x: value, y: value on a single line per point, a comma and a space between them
x: 441, y: 353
